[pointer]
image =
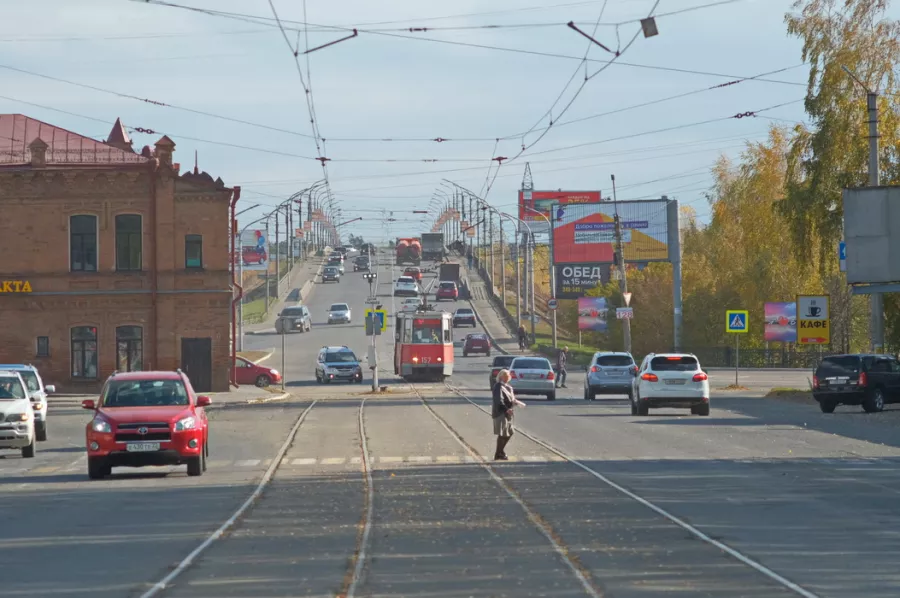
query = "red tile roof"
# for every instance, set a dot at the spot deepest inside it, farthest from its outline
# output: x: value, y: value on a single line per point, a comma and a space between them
x: 17, y: 131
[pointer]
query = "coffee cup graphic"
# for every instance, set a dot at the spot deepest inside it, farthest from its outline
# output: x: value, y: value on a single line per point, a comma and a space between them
x: 813, y: 311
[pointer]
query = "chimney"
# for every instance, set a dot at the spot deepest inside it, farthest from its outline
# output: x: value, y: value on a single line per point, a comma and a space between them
x: 38, y: 149
x: 165, y: 147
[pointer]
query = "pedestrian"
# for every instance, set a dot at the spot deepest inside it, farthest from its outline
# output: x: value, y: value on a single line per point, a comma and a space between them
x: 502, y: 413
x: 561, y: 358
x: 523, y: 337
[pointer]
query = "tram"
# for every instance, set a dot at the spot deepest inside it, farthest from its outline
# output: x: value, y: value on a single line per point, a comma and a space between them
x: 423, y: 347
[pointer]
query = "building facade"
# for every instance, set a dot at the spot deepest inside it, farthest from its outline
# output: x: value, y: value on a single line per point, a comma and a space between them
x: 110, y: 259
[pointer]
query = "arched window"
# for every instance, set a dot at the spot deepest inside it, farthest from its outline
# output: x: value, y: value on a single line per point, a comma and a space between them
x: 129, y: 349
x: 84, y: 352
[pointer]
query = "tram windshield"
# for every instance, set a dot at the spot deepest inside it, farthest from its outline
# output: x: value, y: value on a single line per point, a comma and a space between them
x: 427, y: 335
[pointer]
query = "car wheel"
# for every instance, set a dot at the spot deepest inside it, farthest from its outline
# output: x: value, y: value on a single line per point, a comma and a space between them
x: 643, y: 409
x: 634, y: 410
x: 703, y: 410
x: 874, y: 402
x: 28, y: 451
x: 203, y: 455
x: 40, y: 431
x: 827, y: 406
x: 98, y: 469
x: 465, y: 354
x: 195, y: 466
x: 263, y: 381
x: 551, y: 396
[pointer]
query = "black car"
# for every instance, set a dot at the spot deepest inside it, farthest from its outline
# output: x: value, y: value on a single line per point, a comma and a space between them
x: 331, y: 274
x: 867, y: 380
x: 293, y: 318
x: 361, y: 264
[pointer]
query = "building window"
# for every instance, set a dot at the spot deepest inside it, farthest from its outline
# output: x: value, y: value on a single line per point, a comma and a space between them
x: 193, y: 251
x: 84, y: 352
x: 83, y: 243
x: 43, y: 346
x: 129, y: 349
x: 128, y: 242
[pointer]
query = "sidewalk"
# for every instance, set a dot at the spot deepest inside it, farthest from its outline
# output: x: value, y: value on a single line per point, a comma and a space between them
x: 302, y: 283
x: 488, y: 313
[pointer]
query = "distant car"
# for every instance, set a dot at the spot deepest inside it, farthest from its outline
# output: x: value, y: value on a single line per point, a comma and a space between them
x: 447, y: 290
x: 406, y: 286
x: 339, y: 313
x: 292, y: 319
x: 16, y: 414
x: 37, y: 393
x: 410, y: 304
x: 247, y: 372
x: 610, y: 373
x: 251, y: 254
x: 670, y: 380
x: 533, y: 376
x: 147, y: 418
x: 476, y: 343
x: 868, y: 380
x: 464, y: 316
x: 414, y: 273
x: 331, y: 274
x: 361, y: 264
x: 501, y: 362
x: 337, y: 363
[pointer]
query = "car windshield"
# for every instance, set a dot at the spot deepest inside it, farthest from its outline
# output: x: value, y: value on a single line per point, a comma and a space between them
x: 330, y: 270
x: 293, y: 311
x: 530, y: 364
x: 502, y: 361
x: 464, y: 312
x: 477, y: 337
x: 405, y: 280
x: 614, y: 360
x: 674, y: 364
x: 448, y: 285
x: 144, y: 393
x: 11, y: 388
x: 340, y: 357
x: 340, y: 307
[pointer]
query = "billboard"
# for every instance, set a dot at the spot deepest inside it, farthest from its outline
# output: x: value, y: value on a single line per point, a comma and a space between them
x: 586, y: 233
x: 253, y: 250
x: 542, y: 201
x: 574, y: 280
x: 781, y: 322
x: 592, y: 312
x: 872, y: 235
x: 814, y: 319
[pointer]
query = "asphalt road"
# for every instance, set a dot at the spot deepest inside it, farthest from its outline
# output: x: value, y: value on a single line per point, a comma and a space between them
x: 763, y: 498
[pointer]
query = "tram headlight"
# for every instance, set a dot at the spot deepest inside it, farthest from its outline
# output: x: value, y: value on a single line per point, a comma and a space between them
x: 415, y: 360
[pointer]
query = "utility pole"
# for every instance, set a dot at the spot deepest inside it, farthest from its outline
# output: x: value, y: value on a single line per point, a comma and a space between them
x: 529, y: 250
x: 277, y: 258
x: 502, y: 266
x: 553, y: 218
x: 518, y: 276
x: 268, y: 257
x: 620, y: 259
x: 373, y: 325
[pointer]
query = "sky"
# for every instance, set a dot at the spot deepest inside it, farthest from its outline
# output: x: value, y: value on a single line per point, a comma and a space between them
x: 448, y: 82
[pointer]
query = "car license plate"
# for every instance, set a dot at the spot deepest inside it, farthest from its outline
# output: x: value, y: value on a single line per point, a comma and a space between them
x: 674, y: 381
x: 614, y: 373
x: 142, y: 447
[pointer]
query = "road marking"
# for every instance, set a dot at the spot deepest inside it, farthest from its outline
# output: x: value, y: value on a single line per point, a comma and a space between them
x: 759, y: 567
x: 45, y: 469
x: 449, y: 459
x: 334, y: 461
x: 420, y: 459
x: 356, y: 460
x: 266, y: 478
x: 534, y: 459
x: 246, y: 463
x: 390, y: 459
x: 303, y: 461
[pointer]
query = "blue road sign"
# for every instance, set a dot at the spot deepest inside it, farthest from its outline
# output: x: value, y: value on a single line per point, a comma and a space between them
x: 737, y: 320
x: 381, y: 314
x: 842, y: 256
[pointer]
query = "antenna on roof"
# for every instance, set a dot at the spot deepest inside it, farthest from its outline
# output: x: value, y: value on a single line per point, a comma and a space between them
x: 196, y: 167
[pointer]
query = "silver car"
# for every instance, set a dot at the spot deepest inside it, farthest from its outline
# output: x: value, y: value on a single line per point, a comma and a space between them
x: 533, y: 376
x: 610, y: 373
x: 339, y: 313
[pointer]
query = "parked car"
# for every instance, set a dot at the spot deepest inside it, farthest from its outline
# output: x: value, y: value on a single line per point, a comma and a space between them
x: 339, y: 313
x: 414, y: 273
x: 533, y: 376
x: 331, y: 274
x: 670, y: 380
x: 247, y: 372
x: 464, y: 315
x: 447, y: 290
x: 501, y: 362
x: 147, y: 419
x: 37, y: 393
x: 610, y: 373
x: 868, y: 380
x: 16, y: 415
x: 252, y: 254
x: 293, y: 318
x: 406, y: 287
x: 337, y: 363
x: 476, y: 343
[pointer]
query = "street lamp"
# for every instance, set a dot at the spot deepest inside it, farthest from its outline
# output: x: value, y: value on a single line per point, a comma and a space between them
x: 552, y: 265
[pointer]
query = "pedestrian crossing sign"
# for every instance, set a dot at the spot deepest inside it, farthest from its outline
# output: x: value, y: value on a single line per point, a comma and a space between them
x: 737, y: 320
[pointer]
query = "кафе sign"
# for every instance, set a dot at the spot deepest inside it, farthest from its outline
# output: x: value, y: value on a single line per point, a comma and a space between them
x: 15, y: 286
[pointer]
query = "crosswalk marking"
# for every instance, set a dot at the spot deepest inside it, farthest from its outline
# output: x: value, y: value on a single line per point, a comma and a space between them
x: 247, y: 463
x: 356, y: 460
x: 532, y: 459
x: 420, y: 459
x: 334, y: 461
x: 304, y: 461
x: 449, y: 459
x: 390, y: 459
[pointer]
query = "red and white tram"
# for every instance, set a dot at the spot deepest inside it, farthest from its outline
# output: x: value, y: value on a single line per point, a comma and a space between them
x: 423, y: 347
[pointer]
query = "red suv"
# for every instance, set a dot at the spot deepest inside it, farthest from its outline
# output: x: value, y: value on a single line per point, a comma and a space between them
x: 477, y: 343
x: 447, y: 290
x: 147, y: 418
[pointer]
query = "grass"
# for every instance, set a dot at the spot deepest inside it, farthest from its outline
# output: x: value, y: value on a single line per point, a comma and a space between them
x: 788, y: 392
x: 734, y: 387
x: 255, y: 311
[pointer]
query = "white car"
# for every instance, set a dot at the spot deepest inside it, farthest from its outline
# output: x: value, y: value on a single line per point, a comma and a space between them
x: 533, y: 376
x: 16, y: 415
x: 339, y: 313
x: 37, y: 392
x: 670, y: 380
x: 406, y: 286
x: 410, y: 304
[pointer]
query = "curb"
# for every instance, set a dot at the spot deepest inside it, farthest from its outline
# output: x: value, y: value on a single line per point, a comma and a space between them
x: 262, y: 400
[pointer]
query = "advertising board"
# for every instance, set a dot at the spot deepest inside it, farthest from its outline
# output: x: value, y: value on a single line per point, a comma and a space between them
x: 813, y: 320
x: 592, y: 312
x: 781, y: 322
x: 574, y: 280
x: 586, y: 233
x: 253, y: 250
x: 531, y: 202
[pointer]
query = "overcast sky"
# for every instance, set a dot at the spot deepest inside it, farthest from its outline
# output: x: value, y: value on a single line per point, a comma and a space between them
x: 395, y: 84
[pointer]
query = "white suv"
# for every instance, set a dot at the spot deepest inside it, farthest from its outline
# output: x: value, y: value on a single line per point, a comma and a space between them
x: 37, y: 392
x: 16, y: 415
x: 670, y: 380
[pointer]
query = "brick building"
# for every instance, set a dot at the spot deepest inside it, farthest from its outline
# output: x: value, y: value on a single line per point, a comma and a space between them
x: 110, y: 259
